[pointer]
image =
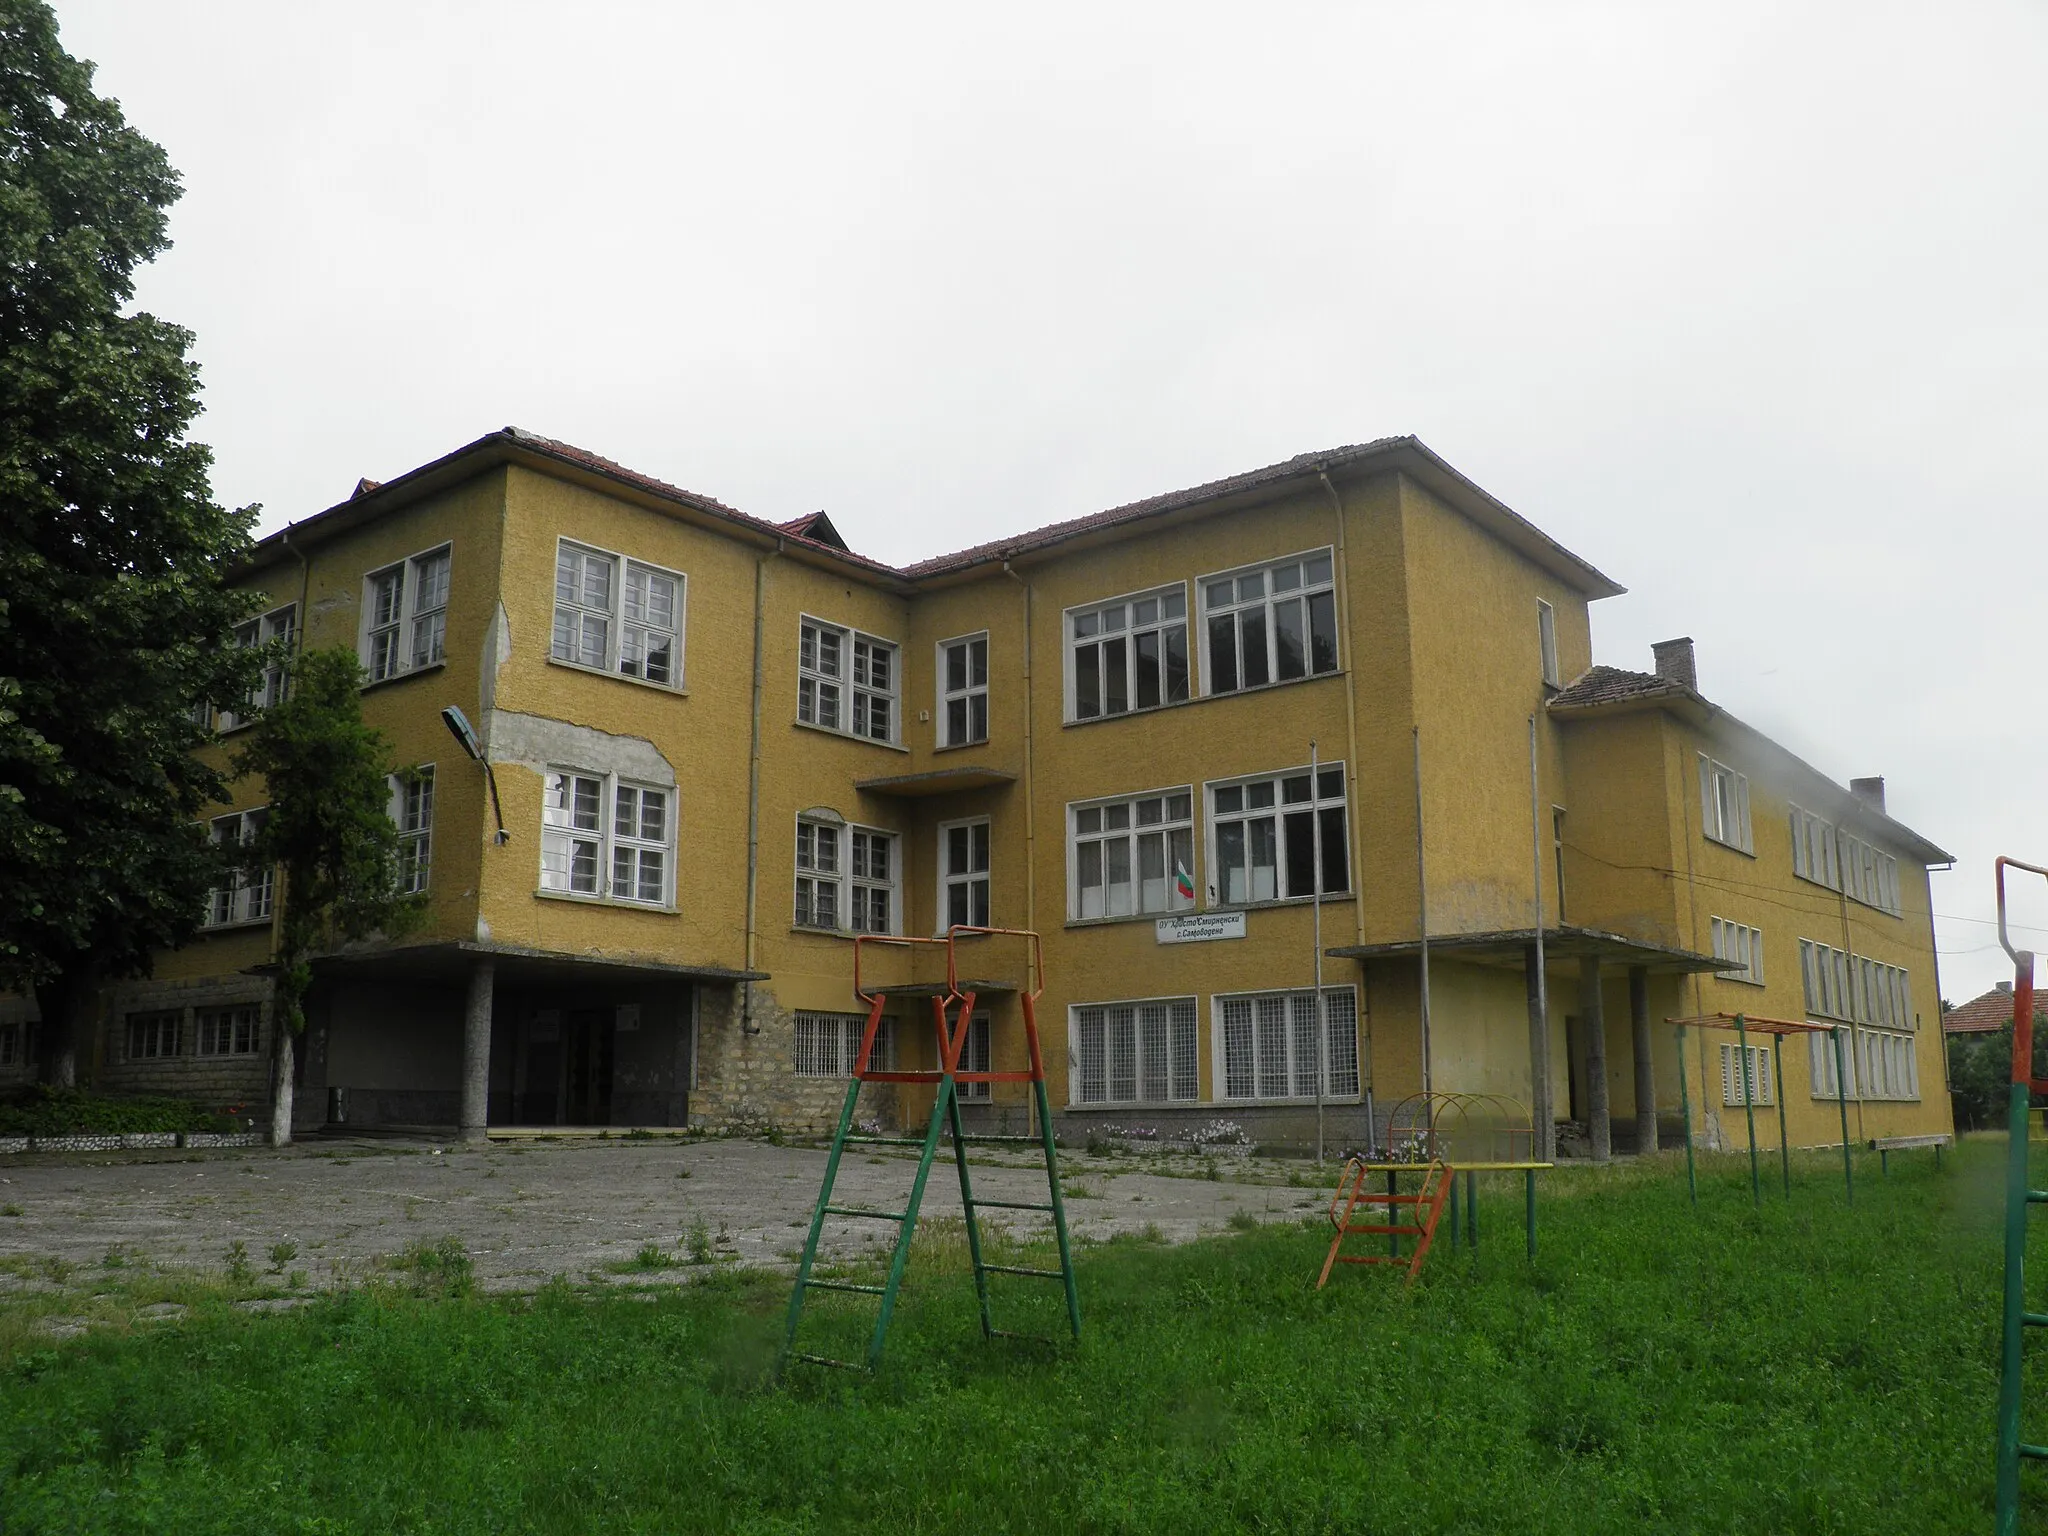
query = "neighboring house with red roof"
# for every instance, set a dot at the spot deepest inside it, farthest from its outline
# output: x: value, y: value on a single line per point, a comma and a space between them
x: 1984, y: 1015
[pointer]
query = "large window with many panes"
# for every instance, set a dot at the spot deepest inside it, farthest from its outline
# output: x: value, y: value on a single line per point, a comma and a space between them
x: 846, y: 681
x: 244, y: 896
x: 1132, y: 855
x: 1137, y: 1052
x: 1129, y: 653
x: 963, y: 691
x: 846, y: 877
x: 1269, y: 1044
x: 1278, y: 837
x: 607, y: 837
x: 1271, y: 623
x: 412, y: 812
x: 963, y: 873
x: 617, y: 615
x: 275, y: 629
x: 405, y: 615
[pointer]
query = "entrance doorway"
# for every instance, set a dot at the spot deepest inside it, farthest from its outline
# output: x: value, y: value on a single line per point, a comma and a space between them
x: 587, y: 1066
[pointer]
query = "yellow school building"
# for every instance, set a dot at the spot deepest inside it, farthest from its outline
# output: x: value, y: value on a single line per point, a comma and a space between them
x: 1335, y: 721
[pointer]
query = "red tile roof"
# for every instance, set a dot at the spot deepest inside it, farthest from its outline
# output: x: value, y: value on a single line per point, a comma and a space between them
x: 1610, y: 685
x: 1980, y: 1015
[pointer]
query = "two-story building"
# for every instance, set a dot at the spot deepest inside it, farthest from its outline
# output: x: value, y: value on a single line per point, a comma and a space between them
x: 1333, y: 720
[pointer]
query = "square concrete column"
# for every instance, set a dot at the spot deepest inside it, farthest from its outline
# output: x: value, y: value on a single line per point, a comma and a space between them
x: 1646, y: 1066
x: 1593, y: 1021
x: 476, y: 1051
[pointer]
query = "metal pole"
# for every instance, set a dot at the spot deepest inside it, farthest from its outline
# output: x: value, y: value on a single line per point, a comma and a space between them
x: 1472, y: 1210
x: 1394, y: 1238
x: 1422, y: 909
x: 1539, y: 1055
x: 1842, y: 1101
x: 1529, y: 1211
x: 1315, y: 837
x: 1756, y: 1191
x: 1778, y: 1083
x: 2016, y: 1197
x: 1454, y: 1209
x: 1692, y: 1182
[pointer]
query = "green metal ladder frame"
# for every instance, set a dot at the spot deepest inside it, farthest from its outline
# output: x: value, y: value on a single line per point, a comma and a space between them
x: 951, y: 1011
x: 2018, y: 1198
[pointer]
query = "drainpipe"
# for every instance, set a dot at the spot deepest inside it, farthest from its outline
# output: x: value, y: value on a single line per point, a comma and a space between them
x: 1030, y: 806
x: 747, y: 1025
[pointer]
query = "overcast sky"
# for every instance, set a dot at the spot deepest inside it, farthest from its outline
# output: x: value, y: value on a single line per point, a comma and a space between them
x: 1744, y: 304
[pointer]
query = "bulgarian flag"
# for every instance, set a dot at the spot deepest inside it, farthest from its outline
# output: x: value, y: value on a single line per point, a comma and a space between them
x: 1183, y: 882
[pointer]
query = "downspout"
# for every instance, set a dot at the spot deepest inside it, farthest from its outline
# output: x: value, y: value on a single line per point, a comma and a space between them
x: 747, y: 1025
x: 1030, y: 805
x: 1350, y: 698
x: 1849, y: 949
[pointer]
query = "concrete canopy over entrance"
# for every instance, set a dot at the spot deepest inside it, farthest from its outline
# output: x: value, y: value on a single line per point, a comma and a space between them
x: 473, y: 1035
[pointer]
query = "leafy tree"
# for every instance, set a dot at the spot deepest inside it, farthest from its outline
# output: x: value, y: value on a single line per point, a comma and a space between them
x: 1980, y: 1075
x: 116, y: 618
x: 330, y: 834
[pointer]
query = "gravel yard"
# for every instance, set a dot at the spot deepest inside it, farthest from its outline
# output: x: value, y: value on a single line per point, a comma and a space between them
x: 582, y: 1208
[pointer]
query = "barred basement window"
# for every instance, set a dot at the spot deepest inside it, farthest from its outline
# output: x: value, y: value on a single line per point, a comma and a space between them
x: 155, y: 1035
x: 828, y: 1044
x: 229, y: 1031
x: 1135, y: 1053
x: 1743, y: 945
x: 975, y: 1057
x: 1759, y: 1084
x: 1269, y: 1044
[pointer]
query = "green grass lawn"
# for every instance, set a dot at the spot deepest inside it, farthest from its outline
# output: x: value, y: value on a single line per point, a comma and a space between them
x: 1801, y: 1368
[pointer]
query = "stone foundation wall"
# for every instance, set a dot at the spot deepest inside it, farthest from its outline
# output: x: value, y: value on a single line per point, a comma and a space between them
x: 210, y: 1080
x: 748, y: 1081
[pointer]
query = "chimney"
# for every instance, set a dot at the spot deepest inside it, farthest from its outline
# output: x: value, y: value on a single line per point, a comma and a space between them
x: 1674, y: 662
x: 2004, y: 986
x: 1869, y: 791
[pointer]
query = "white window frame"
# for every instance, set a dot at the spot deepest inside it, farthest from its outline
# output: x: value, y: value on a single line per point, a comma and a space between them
x: 1815, y: 854
x: 1266, y: 602
x: 1546, y: 642
x: 279, y: 626
x: 1256, y: 1082
x: 248, y: 896
x: 840, y: 695
x: 623, y: 649
x: 1165, y: 1039
x: 143, y: 1037
x: 969, y: 699
x: 969, y: 882
x: 1105, y: 824
x: 1869, y: 874
x: 1279, y: 811
x: 562, y: 838
x: 1856, y: 989
x: 1110, y: 629
x: 827, y: 1045
x: 853, y: 887
x: 411, y: 634
x: 228, y: 1029
x: 1724, y: 805
x: 1744, y: 945
x: 1763, y: 1089
x: 412, y: 811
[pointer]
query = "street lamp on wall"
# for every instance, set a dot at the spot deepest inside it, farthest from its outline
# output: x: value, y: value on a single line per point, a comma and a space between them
x: 460, y: 728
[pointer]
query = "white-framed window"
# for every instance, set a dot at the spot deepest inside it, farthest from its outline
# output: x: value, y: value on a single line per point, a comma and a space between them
x: 1546, y: 642
x: 236, y: 1031
x: 405, y: 615
x: 605, y: 836
x: 963, y: 874
x: 1128, y: 653
x: 276, y: 627
x: 614, y: 614
x: 1855, y: 987
x: 1759, y: 1085
x: 1880, y: 1064
x: 1820, y: 1060
x: 246, y: 896
x: 13, y: 1043
x: 1131, y: 855
x: 155, y: 1035
x: 1724, y: 805
x: 846, y: 877
x: 1814, y: 855
x: 1742, y: 944
x: 1140, y: 1052
x: 963, y: 691
x: 975, y: 1056
x: 846, y: 681
x: 412, y: 812
x: 828, y: 1044
x: 1268, y: 836
x: 1269, y: 623
x: 1869, y: 874
x: 1267, y: 1043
